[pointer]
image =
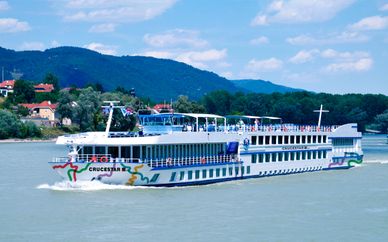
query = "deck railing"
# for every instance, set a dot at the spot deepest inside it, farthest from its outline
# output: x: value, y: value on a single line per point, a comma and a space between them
x: 165, y: 162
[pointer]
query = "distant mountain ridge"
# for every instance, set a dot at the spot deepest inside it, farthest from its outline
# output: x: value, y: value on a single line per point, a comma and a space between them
x: 159, y: 79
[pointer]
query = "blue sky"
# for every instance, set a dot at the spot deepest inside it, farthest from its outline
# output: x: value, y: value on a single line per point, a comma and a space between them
x: 334, y: 46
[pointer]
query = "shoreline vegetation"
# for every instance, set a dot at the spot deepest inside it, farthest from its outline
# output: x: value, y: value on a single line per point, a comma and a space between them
x: 29, y: 140
x: 83, y: 107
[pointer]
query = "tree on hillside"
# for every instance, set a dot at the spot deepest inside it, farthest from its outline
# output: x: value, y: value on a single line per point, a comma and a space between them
x: 88, y: 105
x: 23, y: 92
x: 52, y: 79
x: 65, y: 105
x: 10, y: 125
x: 381, y: 122
x: 184, y: 105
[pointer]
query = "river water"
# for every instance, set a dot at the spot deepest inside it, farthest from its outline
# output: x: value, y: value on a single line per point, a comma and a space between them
x: 341, y: 205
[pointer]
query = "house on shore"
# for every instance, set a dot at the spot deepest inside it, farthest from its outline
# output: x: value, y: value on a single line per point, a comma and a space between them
x: 6, y: 87
x: 41, y: 113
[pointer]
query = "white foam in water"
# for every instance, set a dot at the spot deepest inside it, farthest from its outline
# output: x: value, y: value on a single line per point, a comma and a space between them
x: 86, y: 186
x: 376, y: 161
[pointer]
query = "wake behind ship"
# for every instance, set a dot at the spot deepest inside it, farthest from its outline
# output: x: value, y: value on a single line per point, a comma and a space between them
x: 192, y: 149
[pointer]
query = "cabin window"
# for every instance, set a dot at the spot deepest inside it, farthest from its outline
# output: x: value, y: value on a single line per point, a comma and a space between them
x: 292, y: 156
x: 319, y: 154
x: 297, y: 155
x: 285, y: 139
x: 173, y: 175
x: 254, y: 158
x: 204, y: 174
x: 126, y: 151
x: 280, y: 156
x: 314, y: 154
x: 309, y: 155
x: 303, y: 155
x: 280, y: 140
x: 267, y: 157
x: 136, y: 152
x: 261, y: 140
x: 273, y: 140
x: 253, y: 140
x: 236, y: 171
x: 273, y: 157
x: 309, y: 139
x: 319, y: 139
x: 230, y: 171
x: 298, y: 139
x: 303, y: 139
x: 218, y: 172
x: 286, y: 154
x: 324, y: 154
x: 182, y: 175
x: 267, y: 140
x: 100, y: 150
x: 211, y: 173
x: 242, y: 170
x: 314, y: 139
x: 324, y: 139
x: 248, y: 170
x: 190, y: 175
x: 113, y: 151
x: 197, y: 174
x: 87, y: 150
x: 292, y: 139
x: 223, y: 171
x: 261, y: 158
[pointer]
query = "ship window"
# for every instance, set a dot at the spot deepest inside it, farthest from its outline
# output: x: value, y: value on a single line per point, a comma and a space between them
x: 280, y: 156
x: 314, y: 139
x: 99, y: 150
x: 309, y: 155
x: 204, y: 173
x: 324, y: 139
x: 285, y: 139
x: 267, y: 157
x: 248, y: 169
x: 273, y: 157
x: 309, y: 139
x: 292, y: 156
x: 113, y: 151
x: 273, y: 140
x: 261, y: 158
x: 319, y: 139
x: 87, y: 150
x: 223, y: 171
x: 261, y: 139
x: 303, y: 139
x: 236, y: 171
x: 230, y: 171
x: 292, y: 139
x: 324, y: 154
x: 190, y: 175
x: 286, y: 154
x: 218, y: 172
x: 314, y: 154
x: 136, y: 152
x: 242, y: 170
x: 197, y: 174
x: 267, y: 140
x: 297, y: 155
x: 173, y: 175
x: 280, y: 140
x: 303, y: 155
x: 211, y: 171
x: 319, y: 154
x: 254, y: 158
x: 182, y: 175
x: 154, y: 178
x: 298, y: 139
x: 253, y: 140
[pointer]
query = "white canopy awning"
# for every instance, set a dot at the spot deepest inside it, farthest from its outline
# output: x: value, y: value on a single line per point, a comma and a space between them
x: 201, y: 115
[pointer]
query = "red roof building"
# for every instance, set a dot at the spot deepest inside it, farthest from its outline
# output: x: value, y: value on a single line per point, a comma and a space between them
x: 163, y: 108
x: 6, y: 87
x: 44, y: 109
x: 44, y: 87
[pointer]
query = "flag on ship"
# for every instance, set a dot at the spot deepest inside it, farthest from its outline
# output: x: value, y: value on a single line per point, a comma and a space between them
x: 126, y: 111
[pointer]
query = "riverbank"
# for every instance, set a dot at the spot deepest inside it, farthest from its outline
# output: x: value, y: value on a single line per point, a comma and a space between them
x: 28, y: 140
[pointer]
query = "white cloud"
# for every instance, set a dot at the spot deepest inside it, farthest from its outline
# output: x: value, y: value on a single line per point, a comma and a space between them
x: 300, y: 11
x: 102, y: 28
x: 255, y: 66
x: 55, y: 43
x: 260, y: 40
x: 175, y: 38
x: 159, y: 54
x: 303, y: 56
x: 32, y: 46
x: 384, y: 7
x: 12, y: 25
x: 117, y: 11
x: 333, y: 38
x: 363, y: 64
x: 227, y: 74
x: 101, y: 48
x: 330, y: 53
x: 371, y: 23
x: 4, y: 5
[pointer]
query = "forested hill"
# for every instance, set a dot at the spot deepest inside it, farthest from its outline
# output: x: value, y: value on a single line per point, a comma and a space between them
x: 261, y: 86
x: 158, y: 79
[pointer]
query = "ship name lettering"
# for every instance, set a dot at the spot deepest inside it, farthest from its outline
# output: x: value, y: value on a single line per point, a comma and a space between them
x: 295, y: 148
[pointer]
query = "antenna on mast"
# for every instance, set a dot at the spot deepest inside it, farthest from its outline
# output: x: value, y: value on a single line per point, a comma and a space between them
x: 320, y: 111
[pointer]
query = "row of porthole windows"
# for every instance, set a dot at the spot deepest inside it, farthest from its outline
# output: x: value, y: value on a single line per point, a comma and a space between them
x: 285, y: 171
x: 210, y: 173
x: 288, y: 156
x: 288, y: 139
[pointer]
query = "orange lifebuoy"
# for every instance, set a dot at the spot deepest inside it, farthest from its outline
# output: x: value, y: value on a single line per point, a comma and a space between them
x: 103, y: 159
x: 93, y: 159
x: 203, y: 160
x: 169, y: 161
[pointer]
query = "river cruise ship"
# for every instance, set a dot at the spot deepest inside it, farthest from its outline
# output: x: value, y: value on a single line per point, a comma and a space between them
x: 191, y: 149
